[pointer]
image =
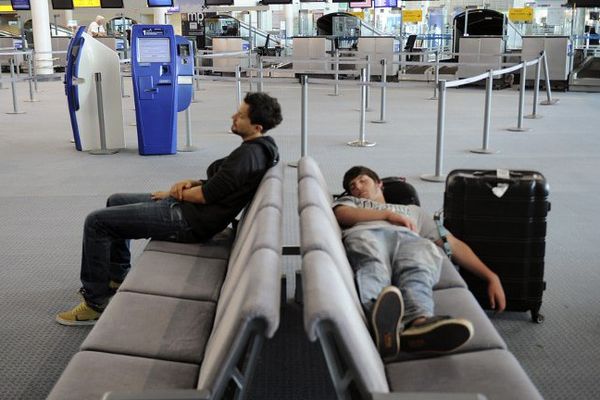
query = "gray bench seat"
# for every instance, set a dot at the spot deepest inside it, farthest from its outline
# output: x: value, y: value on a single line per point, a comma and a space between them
x: 190, y: 319
x: 334, y: 316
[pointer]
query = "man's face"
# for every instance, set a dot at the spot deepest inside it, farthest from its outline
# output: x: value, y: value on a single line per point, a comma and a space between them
x: 365, y: 187
x: 242, y: 125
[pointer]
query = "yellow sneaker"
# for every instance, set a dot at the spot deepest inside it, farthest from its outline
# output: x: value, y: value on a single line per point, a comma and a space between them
x: 80, y: 315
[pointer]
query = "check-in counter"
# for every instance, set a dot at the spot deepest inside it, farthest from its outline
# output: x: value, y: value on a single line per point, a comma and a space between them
x: 484, y: 50
x: 380, y: 47
x: 316, y: 47
x: 556, y: 48
x: 227, y: 44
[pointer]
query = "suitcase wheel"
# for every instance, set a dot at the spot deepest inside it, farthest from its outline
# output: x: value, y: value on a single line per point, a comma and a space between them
x: 536, y: 316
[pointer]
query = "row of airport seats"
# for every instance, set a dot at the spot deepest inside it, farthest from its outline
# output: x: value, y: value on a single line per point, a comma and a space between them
x: 334, y: 316
x: 189, y: 320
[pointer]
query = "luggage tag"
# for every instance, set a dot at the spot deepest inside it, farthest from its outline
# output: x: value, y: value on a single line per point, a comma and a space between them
x: 501, y: 188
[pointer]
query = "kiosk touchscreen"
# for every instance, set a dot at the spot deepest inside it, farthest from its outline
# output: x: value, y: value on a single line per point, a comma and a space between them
x: 154, y: 75
x: 87, y: 56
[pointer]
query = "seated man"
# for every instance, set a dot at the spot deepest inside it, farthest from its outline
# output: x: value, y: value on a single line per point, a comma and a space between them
x: 191, y: 211
x: 391, y: 249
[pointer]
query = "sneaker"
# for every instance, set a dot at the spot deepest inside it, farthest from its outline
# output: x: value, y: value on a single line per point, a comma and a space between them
x: 80, y: 315
x: 437, y: 334
x: 386, y: 320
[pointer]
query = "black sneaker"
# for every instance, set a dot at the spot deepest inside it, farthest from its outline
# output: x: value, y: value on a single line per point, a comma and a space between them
x: 386, y: 318
x: 437, y: 334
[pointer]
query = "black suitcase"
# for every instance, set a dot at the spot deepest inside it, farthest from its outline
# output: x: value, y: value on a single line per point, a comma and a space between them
x: 507, y: 230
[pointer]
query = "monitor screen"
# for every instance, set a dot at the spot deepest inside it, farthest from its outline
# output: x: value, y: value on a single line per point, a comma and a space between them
x: 386, y: 3
x: 361, y: 4
x: 219, y: 2
x: 267, y: 2
x: 312, y: 1
x: 62, y: 4
x: 20, y: 5
x: 339, y: 1
x: 160, y: 3
x: 153, y: 50
x: 111, y: 3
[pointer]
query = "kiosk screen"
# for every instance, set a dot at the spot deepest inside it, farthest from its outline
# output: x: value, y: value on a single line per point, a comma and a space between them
x: 183, y: 50
x: 153, y: 50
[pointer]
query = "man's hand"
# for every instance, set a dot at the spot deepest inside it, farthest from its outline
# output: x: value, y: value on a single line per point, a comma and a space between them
x: 496, y: 294
x: 178, y: 188
x: 402, y: 220
x: 160, y: 195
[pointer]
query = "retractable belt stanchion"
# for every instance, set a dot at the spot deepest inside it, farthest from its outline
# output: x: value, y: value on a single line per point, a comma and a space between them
x: 536, y: 90
x: 238, y: 85
x: 336, y: 73
x: 188, y: 132
x: 549, y: 101
x: 439, y: 148
x: 381, y: 119
x: 487, y: 117
x: 519, y: 127
x: 14, y: 89
x: 30, y: 79
x: 437, y: 75
x: 368, y: 88
x: 362, y: 142
x: 260, y: 74
x: 103, y: 150
x: 250, y: 69
x: 303, y: 120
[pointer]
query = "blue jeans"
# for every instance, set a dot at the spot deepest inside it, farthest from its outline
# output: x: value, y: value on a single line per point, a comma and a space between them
x: 106, y: 256
x: 382, y: 257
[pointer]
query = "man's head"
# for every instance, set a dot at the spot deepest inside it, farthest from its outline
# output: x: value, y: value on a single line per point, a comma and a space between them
x: 363, y: 182
x: 100, y: 20
x: 257, y: 114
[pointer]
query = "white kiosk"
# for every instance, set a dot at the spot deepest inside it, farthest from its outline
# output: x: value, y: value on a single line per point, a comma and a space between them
x: 88, y: 60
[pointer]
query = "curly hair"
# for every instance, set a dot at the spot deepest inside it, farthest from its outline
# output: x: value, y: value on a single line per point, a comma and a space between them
x: 263, y: 110
x: 355, y: 172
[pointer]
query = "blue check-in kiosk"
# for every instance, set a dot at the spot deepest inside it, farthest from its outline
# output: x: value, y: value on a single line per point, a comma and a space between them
x: 154, y: 75
x: 87, y: 57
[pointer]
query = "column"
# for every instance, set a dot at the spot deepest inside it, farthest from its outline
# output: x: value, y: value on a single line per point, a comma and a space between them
x: 160, y: 15
x: 40, y: 17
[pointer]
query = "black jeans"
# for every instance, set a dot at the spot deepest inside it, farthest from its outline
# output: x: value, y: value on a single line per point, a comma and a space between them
x: 106, y: 255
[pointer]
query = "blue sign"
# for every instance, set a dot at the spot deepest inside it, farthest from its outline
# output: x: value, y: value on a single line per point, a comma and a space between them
x: 20, y: 5
x: 386, y: 3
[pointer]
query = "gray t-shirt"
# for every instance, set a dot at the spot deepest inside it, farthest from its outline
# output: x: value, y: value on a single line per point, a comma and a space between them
x: 423, y: 221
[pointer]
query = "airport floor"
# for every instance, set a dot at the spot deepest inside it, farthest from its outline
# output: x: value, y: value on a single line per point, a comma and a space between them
x: 48, y: 188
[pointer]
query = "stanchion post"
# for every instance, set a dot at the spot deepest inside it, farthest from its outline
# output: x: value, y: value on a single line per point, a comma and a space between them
x: 437, y: 75
x: 188, y: 132
x: 103, y: 150
x: 33, y: 67
x: 368, y: 79
x: 238, y: 85
x: 303, y: 120
x: 439, y: 147
x: 13, y: 86
x: 381, y: 119
x: 260, y: 74
x: 519, y: 127
x: 487, y: 116
x: 362, y: 142
x: 536, y: 90
x: 336, y: 73
x: 250, y: 69
x: 30, y: 79
x: 549, y: 100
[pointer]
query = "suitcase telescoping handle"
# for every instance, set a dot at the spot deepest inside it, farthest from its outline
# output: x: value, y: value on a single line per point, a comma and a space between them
x: 508, y: 176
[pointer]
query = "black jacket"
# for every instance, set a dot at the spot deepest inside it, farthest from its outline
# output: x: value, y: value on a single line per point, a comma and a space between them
x: 231, y: 184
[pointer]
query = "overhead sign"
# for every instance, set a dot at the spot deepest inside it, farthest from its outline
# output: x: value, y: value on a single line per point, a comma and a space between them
x: 524, y: 14
x: 86, y: 3
x: 6, y: 8
x: 412, y: 15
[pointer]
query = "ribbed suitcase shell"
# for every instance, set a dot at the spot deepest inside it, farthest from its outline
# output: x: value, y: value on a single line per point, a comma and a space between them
x: 508, y: 233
